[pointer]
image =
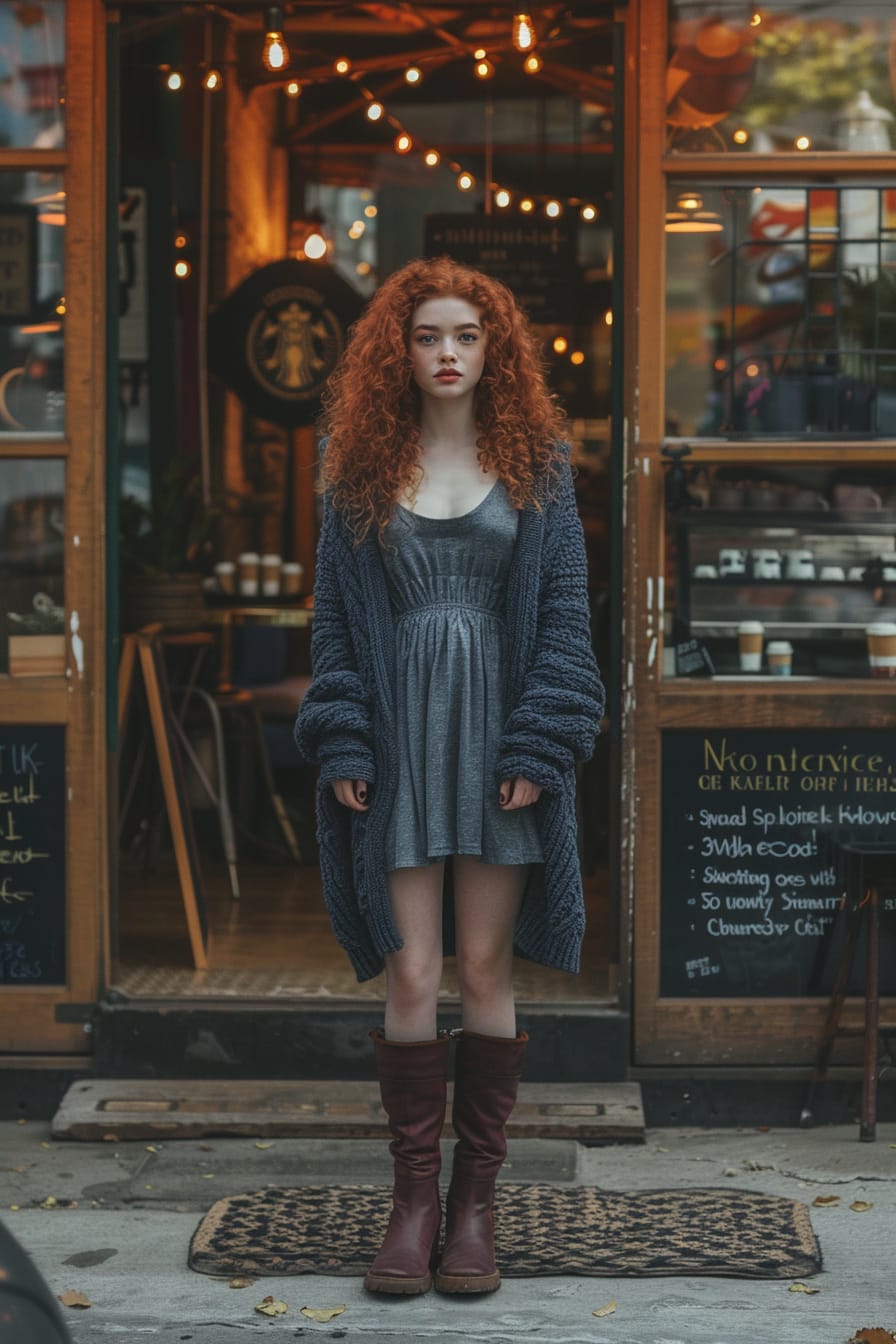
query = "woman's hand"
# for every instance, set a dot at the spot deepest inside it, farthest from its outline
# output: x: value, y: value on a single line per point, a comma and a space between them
x: 518, y: 792
x: 351, y: 793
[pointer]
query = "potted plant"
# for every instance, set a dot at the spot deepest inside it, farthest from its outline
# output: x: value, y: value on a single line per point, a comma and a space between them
x: 162, y: 547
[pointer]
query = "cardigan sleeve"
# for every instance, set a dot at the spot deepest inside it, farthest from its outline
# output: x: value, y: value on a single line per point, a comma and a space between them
x: 333, y: 729
x: 556, y: 719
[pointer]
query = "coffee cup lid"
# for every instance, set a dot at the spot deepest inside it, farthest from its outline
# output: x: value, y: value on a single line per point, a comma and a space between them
x: 751, y: 628
x: 270, y: 560
x: 225, y: 567
x: 248, y: 558
x: 293, y: 567
x: 882, y: 628
x: 778, y: 646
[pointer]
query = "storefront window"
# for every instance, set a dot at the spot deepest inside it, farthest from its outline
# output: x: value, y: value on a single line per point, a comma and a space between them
x: 779, y: 77
x: 32, y: 303
x: 781, y: 310
x: 32, y: 535
x: 32, y: 72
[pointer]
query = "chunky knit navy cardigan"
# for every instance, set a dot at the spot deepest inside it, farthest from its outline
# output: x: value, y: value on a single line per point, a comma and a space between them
x: 346, y: 725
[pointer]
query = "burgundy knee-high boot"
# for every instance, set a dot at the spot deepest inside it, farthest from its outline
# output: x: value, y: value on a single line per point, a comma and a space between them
x: 487, y: 1076
x: 413, y: 1084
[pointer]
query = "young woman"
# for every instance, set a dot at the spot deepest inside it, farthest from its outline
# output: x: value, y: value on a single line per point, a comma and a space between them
x: 454, y: 689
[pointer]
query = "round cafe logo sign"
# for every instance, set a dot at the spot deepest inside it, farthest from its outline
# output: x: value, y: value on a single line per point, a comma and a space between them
x: 275, y: 339
x: 293, y: 342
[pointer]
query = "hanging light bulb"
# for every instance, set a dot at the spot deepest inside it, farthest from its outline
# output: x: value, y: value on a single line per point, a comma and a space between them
x: 483, y: 69
x: 212, y: 81
x: 553, y: 209
x: 356, y: 230
x: 533, y: 63
x: 413, y: 75
x: 465, y: 181
x: 527, y: 205
x: 293, y: 88
x: 577, y: 357
x: 174, y: 80
x: 403, y: 144
x: 523, y: 32
x: 480, y: 54
x: 432, y: 158
x: 374, y: 111
x: 342, y: 66
x: 182, y: 269
x: 502, y: 198
x: 275, y: 52
x: 588, y: 213
x: 315, y: 246
x: 560, y: 345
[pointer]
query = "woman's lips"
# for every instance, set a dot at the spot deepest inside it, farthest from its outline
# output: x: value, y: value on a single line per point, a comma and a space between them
x: 447, y: 375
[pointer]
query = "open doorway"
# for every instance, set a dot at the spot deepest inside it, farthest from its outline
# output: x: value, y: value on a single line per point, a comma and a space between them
x: 379, y: 137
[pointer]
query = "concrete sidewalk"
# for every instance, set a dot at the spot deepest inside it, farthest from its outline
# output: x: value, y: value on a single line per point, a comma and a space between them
x: 125, y: 1244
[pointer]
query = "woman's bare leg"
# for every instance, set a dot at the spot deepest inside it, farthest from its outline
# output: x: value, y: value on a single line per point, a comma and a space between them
x: 414, y: 973
x: 487, y: 899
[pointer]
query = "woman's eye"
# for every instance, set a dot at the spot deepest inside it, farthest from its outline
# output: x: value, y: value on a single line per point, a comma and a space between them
x: 469, y: 337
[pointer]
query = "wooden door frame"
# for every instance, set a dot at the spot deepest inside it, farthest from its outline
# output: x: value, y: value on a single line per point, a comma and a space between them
x: 51, y: 1019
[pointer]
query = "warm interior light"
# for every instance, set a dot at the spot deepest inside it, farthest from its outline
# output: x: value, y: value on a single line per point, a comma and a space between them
x: 403, y: 143
x: 363, y: 268
x: 342, y: 66
x: 740, y: 136
x: 523, y: 32
x: 182, y: 269
x: 608, y: 317
x: 577, y: 357
x: 293, y: 88
x: 689, y: 216
x: 370, y: 211
x: 374, y: 111
x: 502, y: 199
x: 755, y: 20
x: 588, y: 213
x: 174, y: 80
x: 480, y: 54
x: 212, y: 81
x: 752, y: 370
x: 533, y: 63
x: 803, y: 142
x: 60, y: 305
x: 275, y: 52
x: 561, y: 345
x: 315, y: 246
x: 483, y: 69
x: 180, y: 240
x: 553, y: 209
x: 56, y: 217
x: 527, y: 205
x: 466, y: 181
x: 432, y: 158
x: 413, y: 75
x: 356, y: 228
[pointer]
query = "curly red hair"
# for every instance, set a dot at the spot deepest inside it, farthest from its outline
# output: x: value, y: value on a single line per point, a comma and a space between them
x: 371, y: 403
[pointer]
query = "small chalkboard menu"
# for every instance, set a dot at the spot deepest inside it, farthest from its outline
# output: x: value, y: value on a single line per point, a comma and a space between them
x: 751, y: 892
x: 32, y: 855
x: 535, y: 258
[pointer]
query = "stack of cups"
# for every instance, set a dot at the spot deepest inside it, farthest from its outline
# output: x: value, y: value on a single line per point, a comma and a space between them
x: 225, y: 575
x: 291, y: 578
x: 749, y: 645
x: 270, y: 575
x: 248, y: 566
x: 882, y: 649
x: 779, y: 655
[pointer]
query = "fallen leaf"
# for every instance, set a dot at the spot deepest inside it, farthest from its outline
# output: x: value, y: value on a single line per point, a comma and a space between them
x: 151, y: 1148
x: 802, y: 1288
x: 240, y: 1283
x: 20, y: 1122
x: 873, y: 1334
x: 208, y: 1175
x: 860, y: 1206
x: 821, y: 1200
x: 74, y: 1299
x: 322, y: 1314
x: 271, y: 1306
x: 263, y: 1145
x: 14, y: 1208
x: 606, y: 1310
x: 147, y: 1187
x: 45, y: 1145
x: 48, y: 1203
x: 110, y: 1138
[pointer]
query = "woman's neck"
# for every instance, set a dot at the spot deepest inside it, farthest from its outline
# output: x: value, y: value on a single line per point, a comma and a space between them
x: 447, y: 430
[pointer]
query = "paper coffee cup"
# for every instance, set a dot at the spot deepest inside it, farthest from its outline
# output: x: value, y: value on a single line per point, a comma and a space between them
x: 779, y: 656
x: 291, y: 578
x: 248, y: 566
x: 749, y: 645
x: 271, y: 566
x: 882, y: 649
x: 225, y: 576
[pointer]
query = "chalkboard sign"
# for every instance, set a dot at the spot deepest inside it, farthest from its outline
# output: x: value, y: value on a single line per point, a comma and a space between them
x: 32, y: 855
x: 750, y: 889
x: 534, y: 258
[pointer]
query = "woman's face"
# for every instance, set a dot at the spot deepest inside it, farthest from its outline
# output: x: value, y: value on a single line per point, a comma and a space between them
x: 447, y: 347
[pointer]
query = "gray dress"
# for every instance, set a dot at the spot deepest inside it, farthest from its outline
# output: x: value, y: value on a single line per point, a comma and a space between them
x: 447, y: 582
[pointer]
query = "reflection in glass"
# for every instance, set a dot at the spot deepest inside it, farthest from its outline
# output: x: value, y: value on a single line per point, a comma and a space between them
x: 781, y: 317
x: 32, y: 540
x: 32, y: 303
x: 781, y: 77
x: 32, y: 73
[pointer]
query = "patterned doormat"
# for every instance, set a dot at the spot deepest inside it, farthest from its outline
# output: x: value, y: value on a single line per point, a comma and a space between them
x: 541, y: 1230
